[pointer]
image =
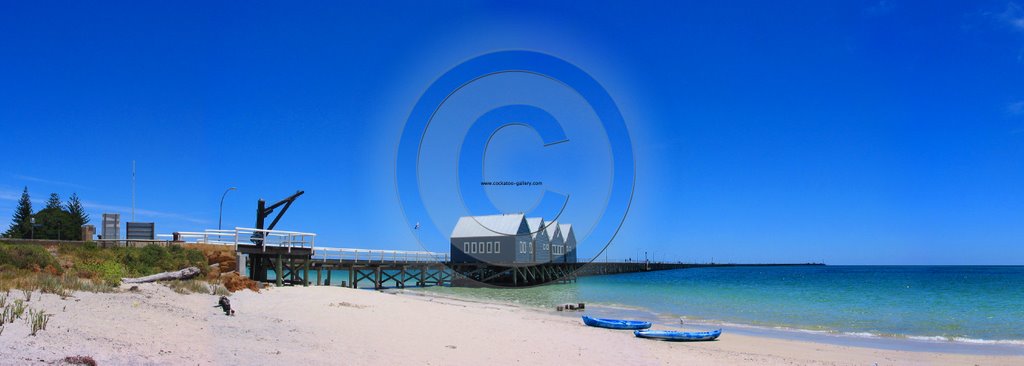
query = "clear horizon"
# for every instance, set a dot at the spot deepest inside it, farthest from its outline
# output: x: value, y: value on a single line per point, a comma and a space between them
x: 847, y: 133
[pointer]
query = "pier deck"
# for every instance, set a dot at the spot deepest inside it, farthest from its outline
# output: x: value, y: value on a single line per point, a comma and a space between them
x: 294, y: 260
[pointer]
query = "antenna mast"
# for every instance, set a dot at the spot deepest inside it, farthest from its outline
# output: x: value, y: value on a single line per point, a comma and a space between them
x: 133, y: 190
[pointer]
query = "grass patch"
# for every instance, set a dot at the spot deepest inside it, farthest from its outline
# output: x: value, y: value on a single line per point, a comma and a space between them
x: 39, y: 319
x: 109, y: 265
x: 188, y: 286
x: 13, y: 311
x: 88, y: 267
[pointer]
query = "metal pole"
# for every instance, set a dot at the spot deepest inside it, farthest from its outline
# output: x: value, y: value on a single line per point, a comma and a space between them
x: 220, y: 215
x: 133, y: 190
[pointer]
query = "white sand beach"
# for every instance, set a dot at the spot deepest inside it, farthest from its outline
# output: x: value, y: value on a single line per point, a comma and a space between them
x: 331, y: 325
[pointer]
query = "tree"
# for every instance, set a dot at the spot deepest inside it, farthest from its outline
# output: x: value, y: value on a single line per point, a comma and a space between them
x: 53, y: 202
x: 21, y: 223
x: 56, y: 223
x: 78, y: 215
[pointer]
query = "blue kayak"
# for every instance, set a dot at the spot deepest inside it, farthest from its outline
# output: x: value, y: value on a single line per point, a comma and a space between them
x: 672, y: 335
x: 615, y: 324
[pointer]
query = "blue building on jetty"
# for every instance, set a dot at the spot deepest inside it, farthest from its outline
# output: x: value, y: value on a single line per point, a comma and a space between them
x: 511, y: 239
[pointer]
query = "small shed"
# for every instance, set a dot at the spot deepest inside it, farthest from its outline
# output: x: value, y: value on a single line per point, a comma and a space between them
x: 540, y: 247
x: 569, y: 242
x: 495, y: 239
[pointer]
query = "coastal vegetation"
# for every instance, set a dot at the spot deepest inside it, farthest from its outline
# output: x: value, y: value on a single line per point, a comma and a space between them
x: 55, y: 266
x: 66, y: 268
x: 61, y: 221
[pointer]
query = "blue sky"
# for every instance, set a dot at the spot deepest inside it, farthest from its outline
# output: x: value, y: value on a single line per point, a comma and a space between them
x: 846, y: 132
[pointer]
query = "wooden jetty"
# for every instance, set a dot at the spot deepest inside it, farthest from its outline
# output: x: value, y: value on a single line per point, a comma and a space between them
x: 293, y: 259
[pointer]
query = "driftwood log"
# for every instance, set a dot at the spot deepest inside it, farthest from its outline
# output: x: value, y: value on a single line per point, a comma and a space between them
x: 173, y: 275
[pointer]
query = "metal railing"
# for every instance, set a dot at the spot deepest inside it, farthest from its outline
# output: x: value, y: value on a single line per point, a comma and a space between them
x: 378, y: 255
x: 296, y: 239
x: 241, y: 235
x: 275, y: 238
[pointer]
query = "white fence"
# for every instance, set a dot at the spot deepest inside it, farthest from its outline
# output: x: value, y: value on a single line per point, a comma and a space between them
x: 295, y: 239
x: 377, y: 255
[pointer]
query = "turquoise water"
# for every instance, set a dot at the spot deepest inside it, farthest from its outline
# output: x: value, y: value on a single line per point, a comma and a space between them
x: 975, y: 304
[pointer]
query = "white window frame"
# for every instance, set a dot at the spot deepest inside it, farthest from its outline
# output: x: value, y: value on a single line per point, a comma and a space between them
x: 465, y: 247
x: 490, y: 247
x: 497, y: 247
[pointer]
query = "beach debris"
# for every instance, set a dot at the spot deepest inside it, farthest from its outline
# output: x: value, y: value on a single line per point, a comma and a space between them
x: 235, y: 282
x: 79, y: 360
x: 225, y: 305
x: 183, y: 274
x: 451, y: 346
x: 134, y: 289
x: 572, y: 307
x: 347, y: 305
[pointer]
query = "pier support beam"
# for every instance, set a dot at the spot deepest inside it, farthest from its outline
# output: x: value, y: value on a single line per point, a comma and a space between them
x: 278, y: 271
x: 305, y: 274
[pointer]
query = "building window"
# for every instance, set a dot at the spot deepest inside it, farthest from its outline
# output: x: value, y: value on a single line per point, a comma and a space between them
x: 473, y: 247
x: 465, y: 247
x: 490, y: 247
x: 497, y: 247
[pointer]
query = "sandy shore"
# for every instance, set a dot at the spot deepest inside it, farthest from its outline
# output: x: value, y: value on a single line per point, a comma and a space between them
x: 330, y: 325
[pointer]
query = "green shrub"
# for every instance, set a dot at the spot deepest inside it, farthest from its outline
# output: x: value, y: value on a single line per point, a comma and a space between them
x: 26, y: 256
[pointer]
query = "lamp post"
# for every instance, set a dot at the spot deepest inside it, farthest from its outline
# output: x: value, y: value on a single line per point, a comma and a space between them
x: 220, y: 215
x: 32, y: 224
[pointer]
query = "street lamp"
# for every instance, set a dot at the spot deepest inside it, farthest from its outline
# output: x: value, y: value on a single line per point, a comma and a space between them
x: 32, y: 224
x: 220, y: 216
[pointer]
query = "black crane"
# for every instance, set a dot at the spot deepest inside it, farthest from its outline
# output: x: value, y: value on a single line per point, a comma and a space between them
x: 259, y: 260
x: 262, y: 211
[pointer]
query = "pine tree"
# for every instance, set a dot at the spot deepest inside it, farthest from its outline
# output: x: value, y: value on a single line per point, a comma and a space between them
x: 78, y: 215
x: 54, y: 222
x: 53, y: 202
x: 21, y: 225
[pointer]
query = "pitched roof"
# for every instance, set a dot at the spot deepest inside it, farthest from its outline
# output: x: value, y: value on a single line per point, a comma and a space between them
x: 552, y: 229
x: 566, y: 229
x: 535, y: 224
x: 490, y: 225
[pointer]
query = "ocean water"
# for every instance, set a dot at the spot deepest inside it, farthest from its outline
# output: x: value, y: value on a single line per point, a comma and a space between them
x: 966, y: 304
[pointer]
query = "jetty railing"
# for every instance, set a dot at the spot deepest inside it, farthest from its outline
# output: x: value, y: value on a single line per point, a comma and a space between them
x: 277, y: 238
x: 241, y: 235
x: 377, y: 256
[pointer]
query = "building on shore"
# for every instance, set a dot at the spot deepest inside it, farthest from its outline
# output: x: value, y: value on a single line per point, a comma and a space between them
x: 557, y: 242
x: 509, y: 239
x: 569, y: 242
x: 111, y: 229
x: 496, y: 239
x: 540, y: 248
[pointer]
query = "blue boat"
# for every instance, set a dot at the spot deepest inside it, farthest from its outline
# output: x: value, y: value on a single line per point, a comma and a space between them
x: 615, y: 323
x: 673, y: 335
